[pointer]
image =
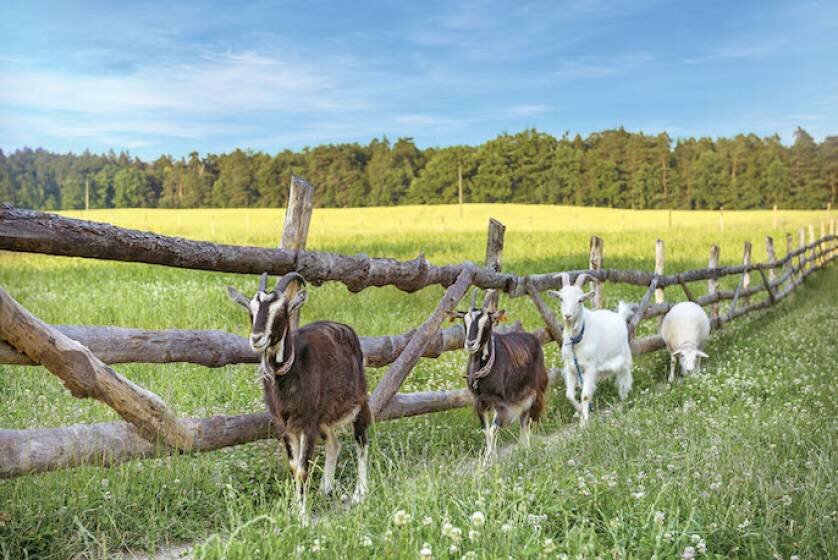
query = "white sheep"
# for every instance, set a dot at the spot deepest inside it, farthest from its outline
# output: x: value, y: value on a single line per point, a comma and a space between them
x: 684, y: 329
x: 595, y: 344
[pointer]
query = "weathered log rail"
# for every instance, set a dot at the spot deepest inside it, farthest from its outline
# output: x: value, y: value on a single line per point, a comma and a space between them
x: 157, y: 431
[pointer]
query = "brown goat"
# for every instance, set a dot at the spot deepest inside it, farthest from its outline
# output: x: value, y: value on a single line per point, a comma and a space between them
x: 505, y: 373
x: 313, y: 379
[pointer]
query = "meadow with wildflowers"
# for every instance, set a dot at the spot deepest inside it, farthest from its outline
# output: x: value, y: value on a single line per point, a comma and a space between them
x: 738, y: 461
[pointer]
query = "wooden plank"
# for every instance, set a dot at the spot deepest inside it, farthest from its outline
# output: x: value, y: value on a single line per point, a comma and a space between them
x: 687, y: 292
x: 767, y: 283
x: 595, y: 263
x: 494, y: 257
x: 659, y: 270
x: 395, y: 376
x: 85, y: 376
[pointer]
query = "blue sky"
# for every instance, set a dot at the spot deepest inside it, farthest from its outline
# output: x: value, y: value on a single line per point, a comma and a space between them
x: 173, y: 77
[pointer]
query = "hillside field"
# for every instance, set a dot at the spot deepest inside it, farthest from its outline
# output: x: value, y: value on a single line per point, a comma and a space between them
x: 737, y: 462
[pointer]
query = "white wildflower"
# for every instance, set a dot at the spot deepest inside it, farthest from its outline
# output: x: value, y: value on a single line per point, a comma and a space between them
x: 427, y: 521
x: 689, y: 553
x: 549, y: 546
x: 505, y: 528
x: 660, y: 517
x: 473, y: 535
x: 401, y: 518
x: 478, y: 519
x: 366, y: 541
x: 425, y: 551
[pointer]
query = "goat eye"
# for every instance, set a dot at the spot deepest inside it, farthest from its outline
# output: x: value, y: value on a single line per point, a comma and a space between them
x: 581, y: 300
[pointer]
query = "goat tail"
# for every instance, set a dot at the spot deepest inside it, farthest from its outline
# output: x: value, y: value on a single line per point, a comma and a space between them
x: 626, y: 310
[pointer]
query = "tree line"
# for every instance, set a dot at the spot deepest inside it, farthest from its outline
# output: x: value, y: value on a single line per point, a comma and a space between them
x: 614, y: 168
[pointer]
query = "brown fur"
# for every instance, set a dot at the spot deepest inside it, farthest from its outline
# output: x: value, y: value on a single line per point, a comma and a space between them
x: 517, y: 374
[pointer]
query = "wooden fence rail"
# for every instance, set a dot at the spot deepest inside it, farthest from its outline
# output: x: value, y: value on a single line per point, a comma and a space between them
x: 79, y: 354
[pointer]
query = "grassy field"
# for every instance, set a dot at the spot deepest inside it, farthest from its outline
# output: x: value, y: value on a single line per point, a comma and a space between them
x: 738, y: 462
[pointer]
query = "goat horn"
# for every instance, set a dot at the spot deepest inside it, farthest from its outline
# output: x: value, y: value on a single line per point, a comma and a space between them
x: 263, y: 282
x: 582, y: 278
x: 283, y: 282
x: 565, y: 278
x: 473, y: 297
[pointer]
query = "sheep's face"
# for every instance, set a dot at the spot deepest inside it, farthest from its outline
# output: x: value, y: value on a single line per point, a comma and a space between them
x: 269, y: 314
x: 572, y: 299
x: 688, y: 359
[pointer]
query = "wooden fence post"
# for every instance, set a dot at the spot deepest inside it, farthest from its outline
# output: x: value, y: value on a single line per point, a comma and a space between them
x: 801, y: 240
x: 815, y: 260
x: 659, y: 264
x: 395, y: 376
x: 713, y: 282
x: 494, y: 253
x: 774, y: 216
x: 789, y: 265
x: 295, y: 228
x: 746, y: 276
x: 772, y: 257
x: 722, y: 219
x: 595, y: 263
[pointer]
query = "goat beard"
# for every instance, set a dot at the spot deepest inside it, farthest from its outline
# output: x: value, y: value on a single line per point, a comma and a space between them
x: 270, y: 366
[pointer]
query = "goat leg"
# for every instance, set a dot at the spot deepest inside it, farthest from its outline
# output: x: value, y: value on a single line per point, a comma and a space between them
x: 332, y: 450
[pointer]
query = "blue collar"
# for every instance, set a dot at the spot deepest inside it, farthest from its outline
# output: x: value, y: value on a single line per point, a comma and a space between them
x: 574, y: 340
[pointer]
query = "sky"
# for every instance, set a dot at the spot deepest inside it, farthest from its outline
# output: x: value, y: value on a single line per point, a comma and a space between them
x: 175, y: 77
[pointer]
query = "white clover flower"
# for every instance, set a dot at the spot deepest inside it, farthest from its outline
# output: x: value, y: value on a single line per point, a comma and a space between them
x: 473, y: 535
x: 446, y: 528
x: 366, y: 541
x: 701, y: 547
x: 453, y: 549
x: 478, y: 519
x: 301, y: 548
x: 660, y: 517
x: 401, y: 518
x: 104, y: 482
x: 427, y: 521
x: 638, y: 495
x: 786, y: 500
x: 505, y: 528
x: 695, y: 539
x: 470, y: 555
x: 425, y: 551
x: 315, y: 548
x: 455, y: 534
x: 549, y: 546
x: 689, y: 553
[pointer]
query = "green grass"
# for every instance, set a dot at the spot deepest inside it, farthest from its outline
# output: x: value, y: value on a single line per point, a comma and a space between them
x: 751, y: 443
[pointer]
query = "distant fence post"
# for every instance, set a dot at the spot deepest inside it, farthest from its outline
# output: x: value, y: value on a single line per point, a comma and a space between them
x: 713, y: 282
x: 494, y: 253
x: 815, y: 259
x: 295, y: 228
x: 789, y: 263
x: 774, y: 217
x: 746, y: 275
x: 595, y: 263
x: 801, y: 243
x: 772, y: 257
x: 659, y: 264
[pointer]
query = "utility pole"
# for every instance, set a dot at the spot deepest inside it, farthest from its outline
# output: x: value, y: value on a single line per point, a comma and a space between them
x: 460, y: 184
x: 86, y: 194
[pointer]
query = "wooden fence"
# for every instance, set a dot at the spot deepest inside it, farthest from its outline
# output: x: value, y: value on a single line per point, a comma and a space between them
x: 81, y: 355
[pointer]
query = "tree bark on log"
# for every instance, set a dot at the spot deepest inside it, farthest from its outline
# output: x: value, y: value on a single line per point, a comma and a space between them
x: 85, y: 376
x: 553, y: 327
x: 395, y: 376
x: 39, y: 232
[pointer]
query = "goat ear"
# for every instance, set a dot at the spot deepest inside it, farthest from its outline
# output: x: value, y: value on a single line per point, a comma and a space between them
x: 677, y: 353
x: 236, y: 296
x: 297, y: 301
x: 587, y: 296
x: 499, y: 316
x: 702, y: 354
x: 457, y: 315
x: 554, y: 294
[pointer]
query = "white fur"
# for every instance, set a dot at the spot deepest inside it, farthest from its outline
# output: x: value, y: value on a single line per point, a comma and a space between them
x: 603, y: 351
x: 684, y: 330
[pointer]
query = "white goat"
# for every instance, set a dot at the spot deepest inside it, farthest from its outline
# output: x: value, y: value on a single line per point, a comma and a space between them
x: 684, y: 330
x: 595, y: 344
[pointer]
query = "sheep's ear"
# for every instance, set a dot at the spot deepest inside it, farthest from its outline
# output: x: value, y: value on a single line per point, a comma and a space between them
x: 554, y: 294
x: 236, y: 296
x: 297, y: 301
x: 587, y: 296
x: 702, y: 354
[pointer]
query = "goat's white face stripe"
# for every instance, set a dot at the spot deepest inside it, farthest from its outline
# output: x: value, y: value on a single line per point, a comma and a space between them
x: 482, y: 321
x: 273, y: 308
